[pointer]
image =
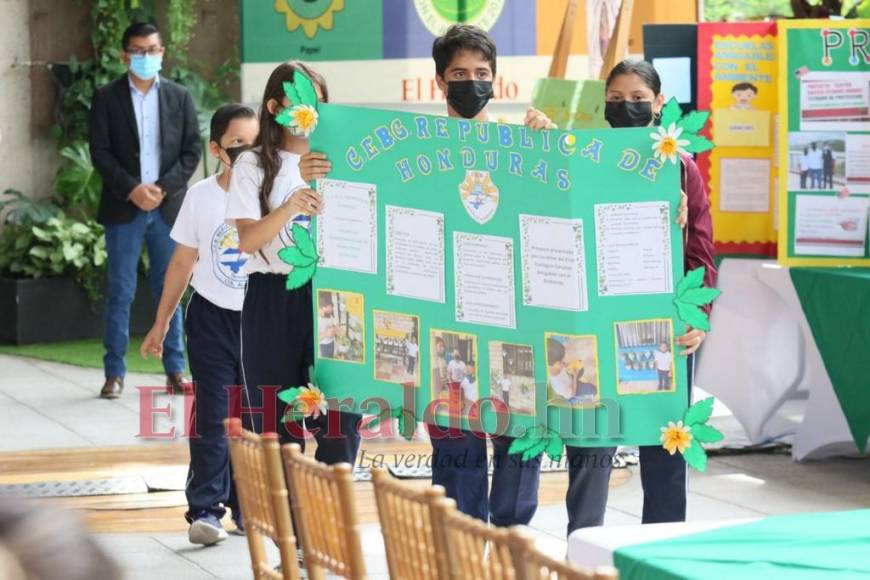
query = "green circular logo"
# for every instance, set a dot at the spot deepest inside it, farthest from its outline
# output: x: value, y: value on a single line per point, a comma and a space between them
x: 310, y: 8
x: 459, y: 11
x: 438, y: 15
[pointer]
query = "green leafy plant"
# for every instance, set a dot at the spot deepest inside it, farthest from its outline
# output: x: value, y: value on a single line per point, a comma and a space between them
x: 58, y: 247
x: 302, y: 255
x: 77, y: 184
x: 23, y: 210
x: 537, y: 440
x: 691, y: 295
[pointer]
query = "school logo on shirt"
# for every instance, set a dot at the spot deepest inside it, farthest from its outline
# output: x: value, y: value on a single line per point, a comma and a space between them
x: 286, y: 233
x: 479, y: 196
x: 227, y: 260
x: 438, y: 15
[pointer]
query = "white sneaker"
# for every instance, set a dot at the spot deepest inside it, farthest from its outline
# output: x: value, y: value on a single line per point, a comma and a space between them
x: 206, y: 530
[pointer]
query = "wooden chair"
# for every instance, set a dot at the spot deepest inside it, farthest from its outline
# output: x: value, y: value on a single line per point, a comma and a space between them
x: 531, y: 563
x: 325, y: 515
x: 263, y: 498
x: 412, y: 528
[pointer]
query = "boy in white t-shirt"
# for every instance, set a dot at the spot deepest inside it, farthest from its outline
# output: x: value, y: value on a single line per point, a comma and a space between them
x: 664, y: 360
x: 207, y: 255
x: 412, y: 350
x: 327, y: 327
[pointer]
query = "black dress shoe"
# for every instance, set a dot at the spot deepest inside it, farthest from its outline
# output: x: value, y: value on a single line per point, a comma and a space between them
x: 176, y: 384
x: 112, y: 388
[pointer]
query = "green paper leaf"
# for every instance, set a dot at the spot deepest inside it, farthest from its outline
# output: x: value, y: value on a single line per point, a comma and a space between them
x: 700, y: 296
x: 692, y: 315
x: 697, y: 143
x: 285, y: 117
x: 406, y: 419
x: 292, y: 93
x: 696, y: 457
x: 703, y: 433
x: 295, y: 257
x: 289, y: 395
x: 671, y: 113
x: 300, y: 276
x: 302, y: 240
x: 698, y: 413
x: 693, y: 122
x: 692, y: 279
x: 536, y: 449
x: 305, y: 89
x: 555, y: 447
x: 530, y: 438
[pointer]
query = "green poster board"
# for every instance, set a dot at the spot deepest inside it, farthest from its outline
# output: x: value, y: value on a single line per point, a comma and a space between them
x: 825, y: 111
x: 507, y: 245
x: 571, y: 104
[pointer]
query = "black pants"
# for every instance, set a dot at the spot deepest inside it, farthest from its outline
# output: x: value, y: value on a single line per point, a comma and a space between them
x: 662, y: 476
x: 213, y: 352
x: 459, y: 463
x: 277, y: 351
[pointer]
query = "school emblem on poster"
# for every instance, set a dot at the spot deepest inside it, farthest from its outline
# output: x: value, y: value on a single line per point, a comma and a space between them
x: 438, y: 15
x: 227, y: 260
x: 479, y: 196
x: 309, y: 14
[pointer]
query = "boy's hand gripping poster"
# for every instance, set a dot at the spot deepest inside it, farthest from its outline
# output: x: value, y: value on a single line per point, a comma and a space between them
x: 492, y: 278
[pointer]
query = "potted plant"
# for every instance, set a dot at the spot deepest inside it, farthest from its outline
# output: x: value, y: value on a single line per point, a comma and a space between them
x: 52, y: 271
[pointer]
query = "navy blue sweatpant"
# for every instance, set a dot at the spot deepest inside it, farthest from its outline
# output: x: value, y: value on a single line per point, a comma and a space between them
x: 213, y: 353
x: 277, y: 350
x: 459, y: 463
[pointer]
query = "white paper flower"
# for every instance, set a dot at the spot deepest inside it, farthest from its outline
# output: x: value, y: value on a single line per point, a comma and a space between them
x: 313, y: 401
x: 667, y: 143
x: 303, y: 119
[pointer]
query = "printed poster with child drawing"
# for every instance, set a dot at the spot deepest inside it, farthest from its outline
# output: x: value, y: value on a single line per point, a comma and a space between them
x: 485, y: 276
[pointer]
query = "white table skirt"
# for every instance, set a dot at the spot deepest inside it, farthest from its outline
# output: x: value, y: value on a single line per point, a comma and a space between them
x: 761, y: 354
x: 592, y: 547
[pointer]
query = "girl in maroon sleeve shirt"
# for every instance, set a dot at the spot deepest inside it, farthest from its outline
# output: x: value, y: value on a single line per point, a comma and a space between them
x: 634, y: 99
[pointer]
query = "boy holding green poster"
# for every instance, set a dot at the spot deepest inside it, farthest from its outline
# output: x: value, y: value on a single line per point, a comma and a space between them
x: 465, y: 65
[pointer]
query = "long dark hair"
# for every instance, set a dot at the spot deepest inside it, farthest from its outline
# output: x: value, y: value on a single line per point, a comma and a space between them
x: 271, y: 136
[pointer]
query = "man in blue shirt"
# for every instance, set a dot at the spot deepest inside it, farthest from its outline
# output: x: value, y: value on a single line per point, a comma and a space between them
x: 145, y: 143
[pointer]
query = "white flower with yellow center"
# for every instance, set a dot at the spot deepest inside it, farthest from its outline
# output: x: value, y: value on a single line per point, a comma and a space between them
x: 667, y: 143
x: 676, y: 437
x: 313, y: 401
x: 303, y: 120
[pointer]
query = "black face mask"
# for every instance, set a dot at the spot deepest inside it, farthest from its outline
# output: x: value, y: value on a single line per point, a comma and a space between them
x: 621, y: 114
x: 468, y: 98
x: 234, y: 152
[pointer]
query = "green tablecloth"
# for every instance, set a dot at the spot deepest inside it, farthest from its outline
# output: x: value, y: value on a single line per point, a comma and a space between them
x: 806, y: 546
x: 836, y: 302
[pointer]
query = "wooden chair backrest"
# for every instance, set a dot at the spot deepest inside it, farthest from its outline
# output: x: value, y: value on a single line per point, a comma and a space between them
x: 533, y: 564
x: 412, y: 528
x: 325, y: 514
x: 475, y: 550
x: 263, y: 498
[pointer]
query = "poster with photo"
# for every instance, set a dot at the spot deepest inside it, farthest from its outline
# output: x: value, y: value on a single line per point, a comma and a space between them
x: 824, y: 142
x: 504, y: 259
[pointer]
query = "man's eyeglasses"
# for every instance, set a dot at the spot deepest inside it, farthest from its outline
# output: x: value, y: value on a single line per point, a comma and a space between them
x: 139, y: 51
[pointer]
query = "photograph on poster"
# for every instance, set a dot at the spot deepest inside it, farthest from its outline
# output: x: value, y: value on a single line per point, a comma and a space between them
x: 397, y: 348
x: 645, y: 357
x: 858, y: 162
x: 829, y: 225
x: 347, y: 227
x: 744, y: 185
x: 453, y: 364
x: 512, y: 376
x: 572, y: 369
x: 341, y: 325
x: 834, y: 100
x: 816, y: 160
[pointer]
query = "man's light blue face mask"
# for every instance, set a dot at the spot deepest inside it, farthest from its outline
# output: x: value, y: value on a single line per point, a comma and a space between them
x: 146, y: 66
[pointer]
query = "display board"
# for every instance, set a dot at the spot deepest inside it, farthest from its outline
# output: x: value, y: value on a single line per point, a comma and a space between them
x: 491, y: 268
x: 824, y: 148
x: 737, y: 81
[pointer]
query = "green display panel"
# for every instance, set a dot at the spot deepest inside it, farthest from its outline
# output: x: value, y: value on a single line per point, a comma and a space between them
x: 545, y: 263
